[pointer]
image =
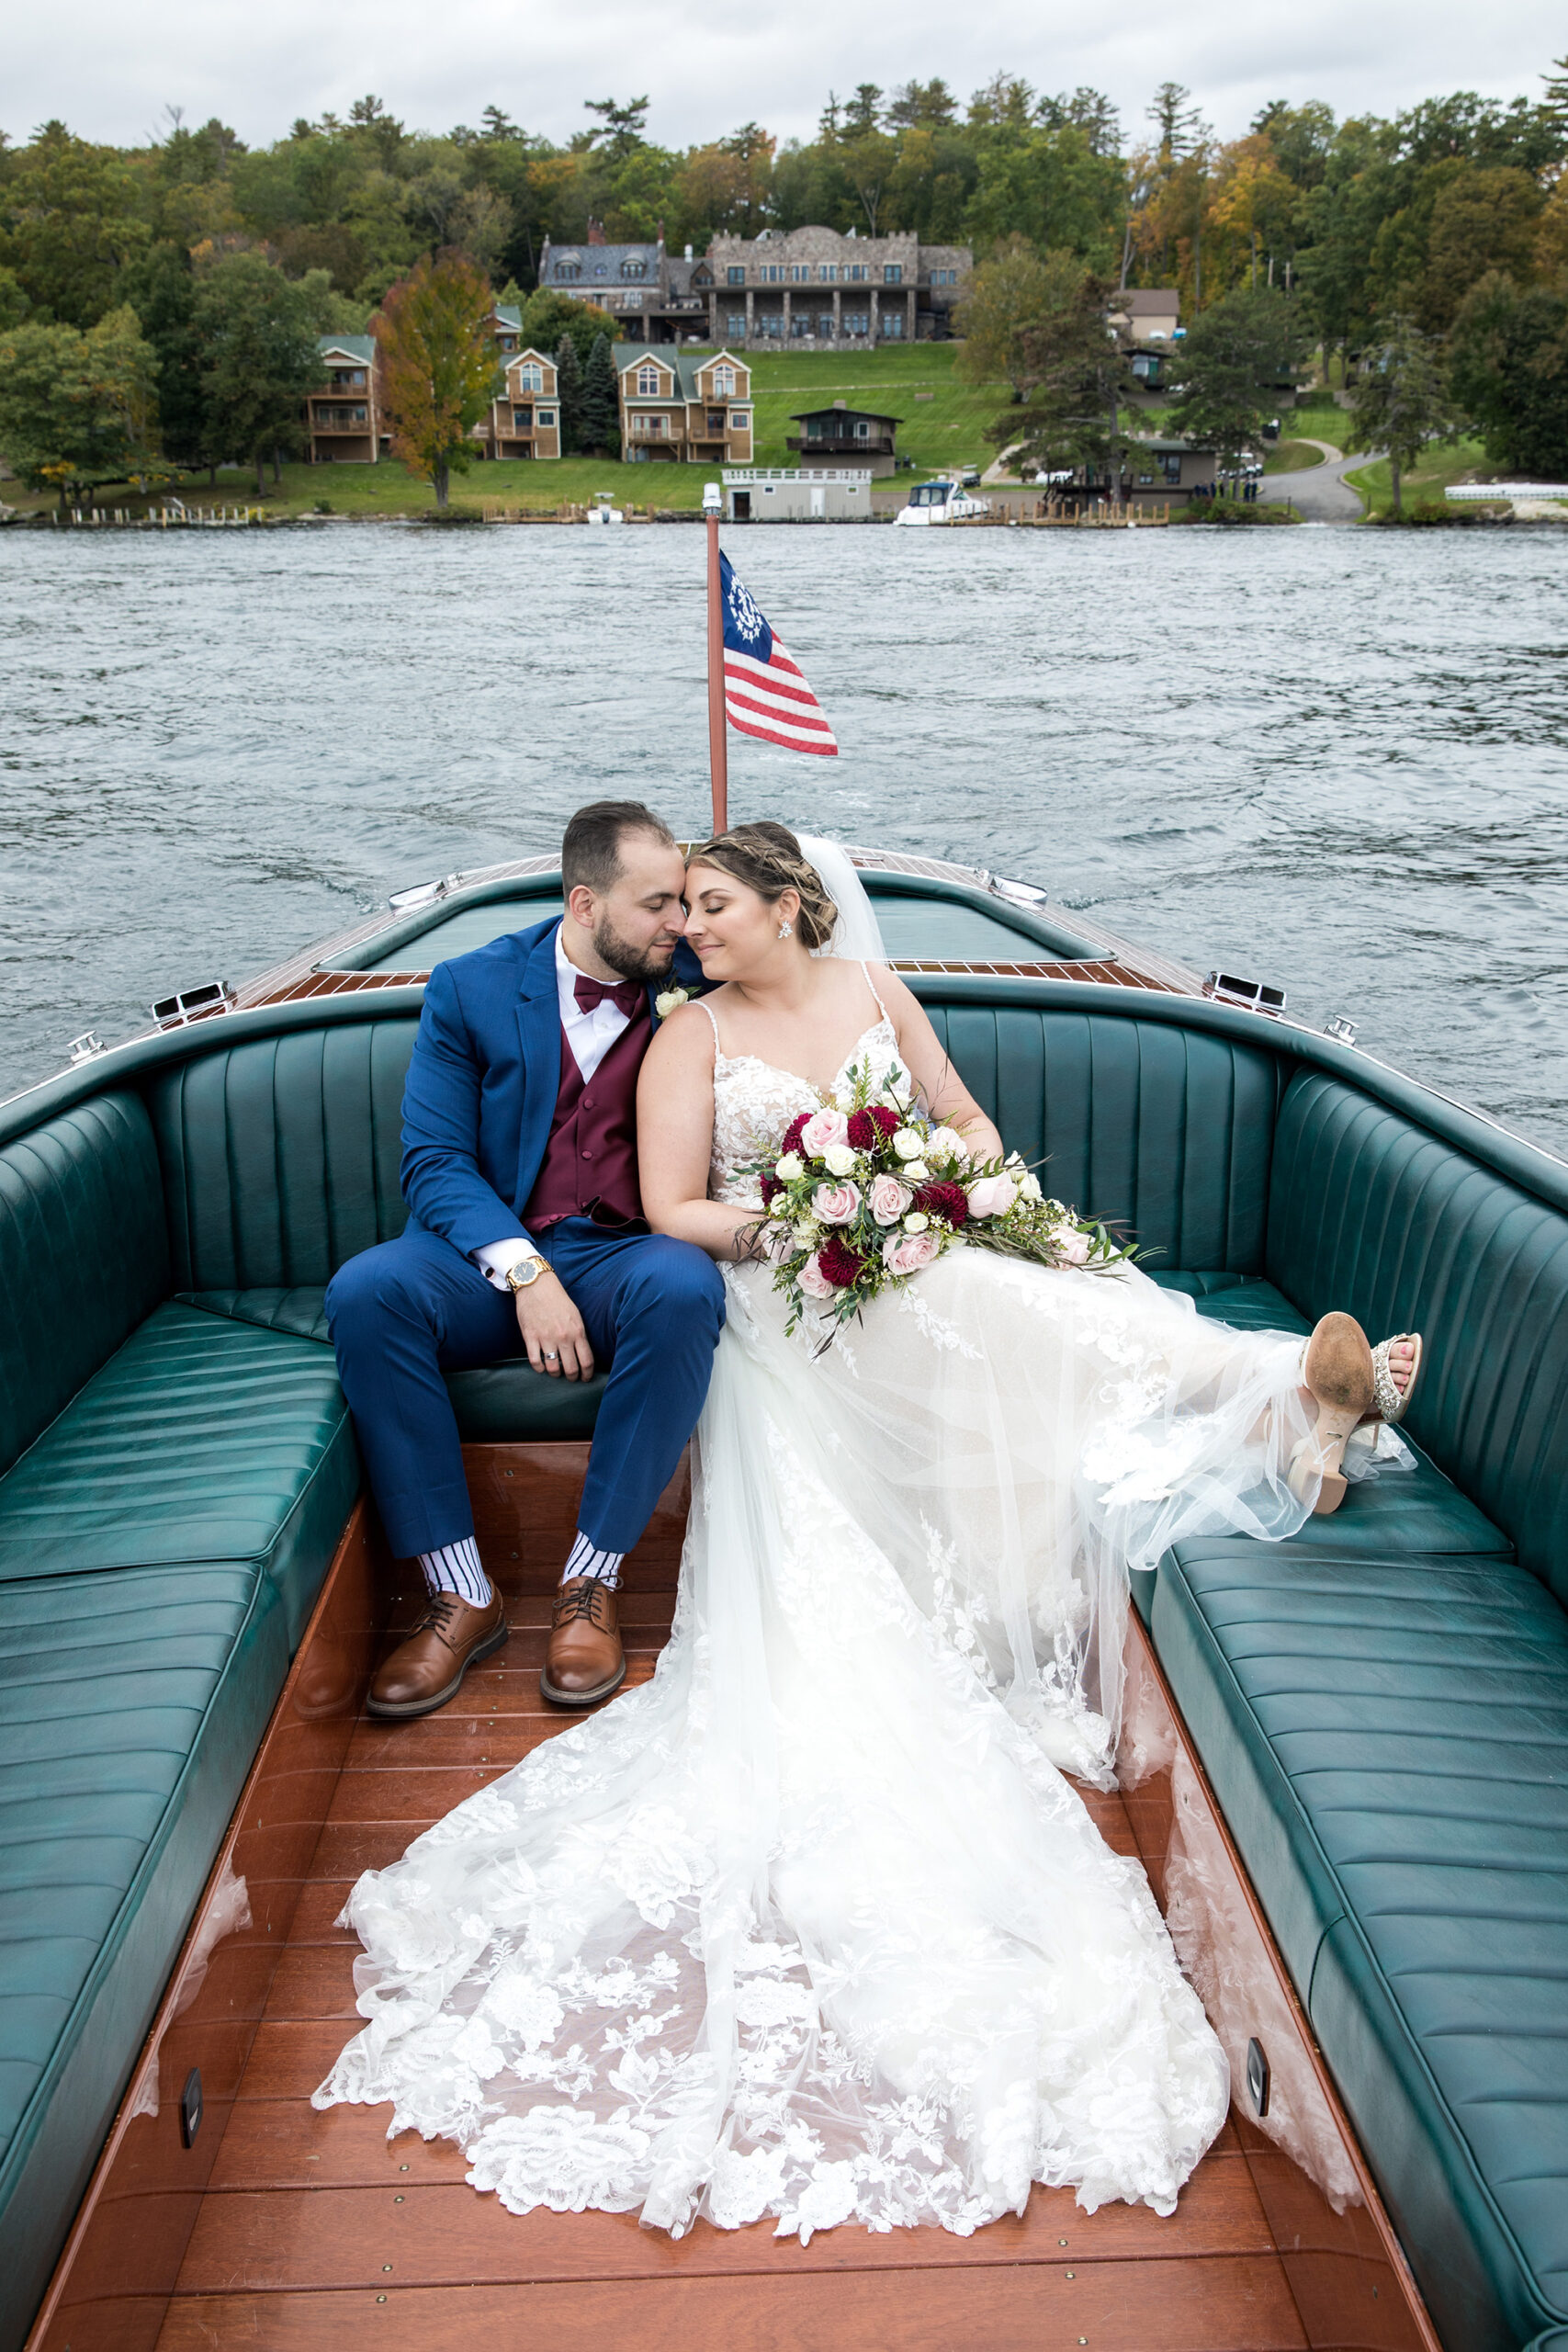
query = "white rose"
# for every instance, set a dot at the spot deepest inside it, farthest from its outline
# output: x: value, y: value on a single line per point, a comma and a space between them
x: 806, y: 1233
x: 790, y: 1169
x: 916, y: 1171
x: 908, y: 1142
x: 916, y: 1222
x: 780, y: 1206
x: 838, y: 1160
x: 1030, y: 1188
x: 671, y: 1001
x: 947, y: 1144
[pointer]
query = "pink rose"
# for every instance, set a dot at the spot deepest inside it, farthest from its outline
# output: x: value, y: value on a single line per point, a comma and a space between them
x: 835, y: 1204
x: 906, y: 1253
x: 1073, y: 1245
x: 823, y: 1129
x: 814, y: 1283
x: 992, y: 1196
x: 889, y: 1199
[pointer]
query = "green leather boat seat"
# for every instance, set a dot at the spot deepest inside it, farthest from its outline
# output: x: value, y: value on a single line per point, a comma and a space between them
x: 499, y: 1404
x: 201, y: 1439
x: 1388, y: 1738
x: 132, y: 1701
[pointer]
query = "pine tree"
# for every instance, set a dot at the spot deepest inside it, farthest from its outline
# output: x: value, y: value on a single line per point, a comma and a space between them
x: 569, y: 392
x: 600, y: 400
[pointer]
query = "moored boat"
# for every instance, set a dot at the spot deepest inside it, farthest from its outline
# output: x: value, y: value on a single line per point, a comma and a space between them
x: 1342, y: 1763
x: 942, y: 501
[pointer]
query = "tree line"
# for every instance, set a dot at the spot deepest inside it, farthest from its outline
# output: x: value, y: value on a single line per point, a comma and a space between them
x: 172, y: 294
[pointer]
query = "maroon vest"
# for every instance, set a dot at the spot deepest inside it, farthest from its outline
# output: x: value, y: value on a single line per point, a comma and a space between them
x: 592, y: 1153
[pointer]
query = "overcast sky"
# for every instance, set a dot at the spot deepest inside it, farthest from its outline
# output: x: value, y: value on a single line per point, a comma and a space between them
x: 109, y: 71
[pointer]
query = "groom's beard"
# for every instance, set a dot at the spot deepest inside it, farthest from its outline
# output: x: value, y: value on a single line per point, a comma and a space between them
x: 632, y: 963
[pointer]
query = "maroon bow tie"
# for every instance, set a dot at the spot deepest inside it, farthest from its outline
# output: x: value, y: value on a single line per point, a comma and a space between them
x: 591, y: 994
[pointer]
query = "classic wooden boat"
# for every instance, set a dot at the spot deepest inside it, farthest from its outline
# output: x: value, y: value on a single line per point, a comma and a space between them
x: 1344, y: 1763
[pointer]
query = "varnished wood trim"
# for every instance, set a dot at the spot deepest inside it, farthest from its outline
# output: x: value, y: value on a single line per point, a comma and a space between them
x: 1352, y: 2283
x: 113, y: 2281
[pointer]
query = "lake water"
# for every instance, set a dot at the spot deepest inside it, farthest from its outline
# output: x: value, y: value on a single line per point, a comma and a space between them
x: 1325, y: 758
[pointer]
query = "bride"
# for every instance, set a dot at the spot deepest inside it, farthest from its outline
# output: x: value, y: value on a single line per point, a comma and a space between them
x: 812, y: 1925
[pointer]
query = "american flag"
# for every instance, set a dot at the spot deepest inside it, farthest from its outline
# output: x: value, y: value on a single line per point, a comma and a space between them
x: 764, y: 693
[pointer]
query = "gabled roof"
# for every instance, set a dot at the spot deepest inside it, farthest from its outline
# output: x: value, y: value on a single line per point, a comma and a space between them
x: 1139, y: 301
x: 361, y: 347
x: 683, y: 366
x: 507, y: 314
x: 839, y: 411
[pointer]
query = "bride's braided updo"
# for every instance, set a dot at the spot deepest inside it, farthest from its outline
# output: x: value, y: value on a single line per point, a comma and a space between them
x: 768, y: 859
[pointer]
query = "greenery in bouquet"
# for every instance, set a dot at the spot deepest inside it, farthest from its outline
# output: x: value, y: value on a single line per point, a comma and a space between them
x: 866, y: 1192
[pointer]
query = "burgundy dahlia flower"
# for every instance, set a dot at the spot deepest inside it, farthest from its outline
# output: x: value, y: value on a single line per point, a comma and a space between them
x: 864, y: 1133
x: 793, y: 1134
x: 949, y: 1202
x: 840, y: 1264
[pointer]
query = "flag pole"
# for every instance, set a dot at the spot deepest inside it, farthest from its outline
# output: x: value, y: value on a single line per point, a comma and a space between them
x: 718, y: 746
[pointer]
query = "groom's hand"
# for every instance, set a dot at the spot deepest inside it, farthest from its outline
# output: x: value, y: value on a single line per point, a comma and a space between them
x: 552, y: 1331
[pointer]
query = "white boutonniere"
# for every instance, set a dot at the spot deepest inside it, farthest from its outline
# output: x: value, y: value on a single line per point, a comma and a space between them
x: 671, y: 1001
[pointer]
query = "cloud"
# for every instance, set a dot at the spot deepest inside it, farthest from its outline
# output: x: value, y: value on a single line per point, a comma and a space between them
x: 706, y: 69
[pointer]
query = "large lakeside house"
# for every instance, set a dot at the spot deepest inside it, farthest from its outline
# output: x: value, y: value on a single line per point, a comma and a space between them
x: 678, y: 405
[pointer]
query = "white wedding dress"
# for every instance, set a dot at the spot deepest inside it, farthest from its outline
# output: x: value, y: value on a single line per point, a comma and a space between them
x: 811, y: 1926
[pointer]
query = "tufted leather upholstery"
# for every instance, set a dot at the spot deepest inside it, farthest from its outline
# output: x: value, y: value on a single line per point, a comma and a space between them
x: 201, y: 1439
x: 1389, y: 1740
x: 131, y: 1704
x: 82, y: 1255
x: 1166, y: 1131
x: 1371, y: 1214
x: 280, y: 1155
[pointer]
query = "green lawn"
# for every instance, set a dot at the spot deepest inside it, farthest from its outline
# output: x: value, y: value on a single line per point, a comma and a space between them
x: 1292, y: 457
x: 945, y: 430
x: 1427, y: 484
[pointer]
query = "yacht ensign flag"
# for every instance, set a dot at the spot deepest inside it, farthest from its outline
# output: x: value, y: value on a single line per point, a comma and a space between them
x: 764, y: 693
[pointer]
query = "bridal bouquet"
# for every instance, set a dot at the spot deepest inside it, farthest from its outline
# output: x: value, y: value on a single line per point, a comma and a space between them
x: 868, y: 1189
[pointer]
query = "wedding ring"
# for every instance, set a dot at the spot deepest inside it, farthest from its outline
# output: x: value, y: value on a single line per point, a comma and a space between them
x: 549, y: 1355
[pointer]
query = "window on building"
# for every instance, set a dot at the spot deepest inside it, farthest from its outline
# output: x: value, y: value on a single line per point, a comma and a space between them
x: 522, y: 420
x: 829, y: 272
x: 1172, y: 461
x: 547, y: 416
x: 531, y: 377
x: 857, y: 322
x: 723, y: 382
x: 569, y: 272
x: 825, y: 325
x: 814, y: 428
x: 600, y: 269
x: 735, y: 327
x: 648, y: 382
x: 800, y: 274
x: 506, y: 342
x: 716, y: 424
x: 650, y: 428
x: 862, y: 428
x: 734, y: 276
x: 893, y: 325
x: 741, y: 420
x: 356, y: 377
x: 802, y: 323
x: 855, y: 273
x: 893, y: 273
x: 636, y: 267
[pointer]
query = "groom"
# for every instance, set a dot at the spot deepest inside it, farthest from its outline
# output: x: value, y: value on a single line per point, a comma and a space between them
x: 526, y: 1233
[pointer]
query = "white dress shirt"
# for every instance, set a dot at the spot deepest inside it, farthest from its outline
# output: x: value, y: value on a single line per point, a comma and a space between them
x: 590, y: 1036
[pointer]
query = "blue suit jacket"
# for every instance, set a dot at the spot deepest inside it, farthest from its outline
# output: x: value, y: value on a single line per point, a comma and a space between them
x: 483, y: 1086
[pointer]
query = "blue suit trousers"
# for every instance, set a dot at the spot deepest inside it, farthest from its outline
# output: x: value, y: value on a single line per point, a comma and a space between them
x: 409, y: 1310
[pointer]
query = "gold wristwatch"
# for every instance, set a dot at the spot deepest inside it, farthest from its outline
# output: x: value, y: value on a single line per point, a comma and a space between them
x: 525, y: 1271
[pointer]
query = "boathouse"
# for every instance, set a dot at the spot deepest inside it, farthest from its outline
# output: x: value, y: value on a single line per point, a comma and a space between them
x: 797, y: 494
x: 859, y: 435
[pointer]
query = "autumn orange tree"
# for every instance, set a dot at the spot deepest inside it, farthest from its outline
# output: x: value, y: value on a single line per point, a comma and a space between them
x: 439, y: 371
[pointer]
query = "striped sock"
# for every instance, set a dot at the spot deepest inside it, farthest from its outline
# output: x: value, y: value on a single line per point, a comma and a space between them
x: 455, y: 1567
x: 588, y: 1560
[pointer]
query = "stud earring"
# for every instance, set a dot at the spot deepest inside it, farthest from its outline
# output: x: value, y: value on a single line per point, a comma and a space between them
x: 787, y: 931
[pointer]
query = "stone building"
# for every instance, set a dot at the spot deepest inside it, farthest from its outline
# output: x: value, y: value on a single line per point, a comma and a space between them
x: 819, y: 286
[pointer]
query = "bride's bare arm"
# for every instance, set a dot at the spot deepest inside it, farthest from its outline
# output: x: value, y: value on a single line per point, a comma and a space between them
x: 674, y: 1138
x: 947, y: 1097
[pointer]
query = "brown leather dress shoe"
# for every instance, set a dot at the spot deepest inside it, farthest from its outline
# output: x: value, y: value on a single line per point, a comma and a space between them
x: 584, y: 1662
x: 425, y: 1671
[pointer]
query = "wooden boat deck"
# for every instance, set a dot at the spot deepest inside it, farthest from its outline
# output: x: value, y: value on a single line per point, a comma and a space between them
x: 316, y: 2231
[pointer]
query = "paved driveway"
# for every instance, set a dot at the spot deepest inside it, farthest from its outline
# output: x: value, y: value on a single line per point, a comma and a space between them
x: 1318, y: 493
